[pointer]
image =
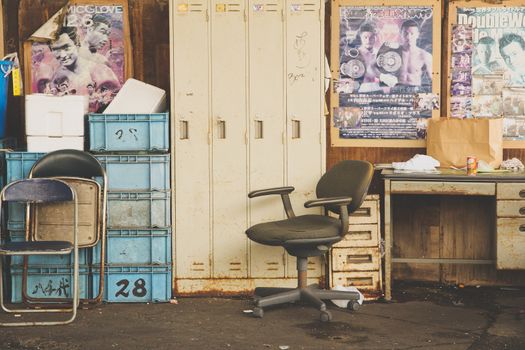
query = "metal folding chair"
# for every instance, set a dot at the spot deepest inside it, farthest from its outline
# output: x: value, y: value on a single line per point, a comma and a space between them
x: 37, y: 193
x: 80, y: 170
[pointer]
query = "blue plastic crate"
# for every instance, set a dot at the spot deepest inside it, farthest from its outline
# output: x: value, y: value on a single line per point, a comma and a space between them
x: 136, y: 284
x: 19, y: 164
x: 47, y: 260
x: 138, y: 210
x: 16, y: 215
x: 140, y: 247
x: 128, y: 132
x: 49, y: 282
x: 16, y: 225
x: 137, y: 172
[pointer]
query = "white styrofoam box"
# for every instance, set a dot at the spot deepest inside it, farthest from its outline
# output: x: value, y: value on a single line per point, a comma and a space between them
x: 48, y: 115
x: 136, y: 96
x: 48, y: 144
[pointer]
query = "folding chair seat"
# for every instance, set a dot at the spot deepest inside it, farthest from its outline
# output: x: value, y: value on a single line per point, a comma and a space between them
x: 39, y: 193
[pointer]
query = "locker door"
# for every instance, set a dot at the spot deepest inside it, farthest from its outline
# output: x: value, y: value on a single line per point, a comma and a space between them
x: 304, y: 107
x: 266, y: 126
x: 228, y: 52
x: 190, y: 81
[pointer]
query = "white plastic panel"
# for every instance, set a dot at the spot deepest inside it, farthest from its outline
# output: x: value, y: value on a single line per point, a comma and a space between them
x: 304, y: 108
x: 266, y: 114
x: 190, y: 77
x: 228, y: 98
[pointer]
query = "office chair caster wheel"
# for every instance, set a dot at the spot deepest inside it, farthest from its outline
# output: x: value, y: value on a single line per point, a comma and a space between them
x: 353, y: 305
x: 258, y: 312
x: 326, y: 316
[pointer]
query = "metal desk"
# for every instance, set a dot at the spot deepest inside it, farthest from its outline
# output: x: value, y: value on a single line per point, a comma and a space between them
x: 508, y: 189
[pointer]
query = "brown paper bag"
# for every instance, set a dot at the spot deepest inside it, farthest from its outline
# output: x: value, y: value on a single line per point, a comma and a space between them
x: 452, y: 140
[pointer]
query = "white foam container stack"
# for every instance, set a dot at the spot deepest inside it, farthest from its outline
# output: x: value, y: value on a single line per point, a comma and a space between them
x: 55, y: 122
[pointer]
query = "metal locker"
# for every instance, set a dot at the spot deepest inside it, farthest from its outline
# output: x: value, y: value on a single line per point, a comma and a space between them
x: 266, y: 126
x: 304, y: 107
x: 190, y: 87
x: 229, y: 145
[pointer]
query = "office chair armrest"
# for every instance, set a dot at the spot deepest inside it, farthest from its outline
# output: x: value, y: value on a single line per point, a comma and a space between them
x: 321, y: 202
x: 342, y: 202
x: 283, y: 191
x: 269, y: 191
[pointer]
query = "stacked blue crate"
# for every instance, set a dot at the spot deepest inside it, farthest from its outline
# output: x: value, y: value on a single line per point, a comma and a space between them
x: 133, y: 150
x: 47, y: 276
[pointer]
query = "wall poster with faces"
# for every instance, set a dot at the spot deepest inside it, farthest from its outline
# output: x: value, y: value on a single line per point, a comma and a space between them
x: 486, y: 64
x: 89, y: 53
x: 385, y: 61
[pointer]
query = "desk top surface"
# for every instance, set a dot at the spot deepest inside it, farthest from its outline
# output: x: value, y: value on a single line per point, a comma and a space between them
x: 446, y: 174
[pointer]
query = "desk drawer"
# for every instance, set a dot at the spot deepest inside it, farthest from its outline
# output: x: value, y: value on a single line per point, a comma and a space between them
x: 446, y: 188
x: 366, y: 235
x: 367, y: 213
x: 362, y: 280
x: 510, y: 208
x: 510, y: 250
x: 355, y: 259
x: 511, y: 191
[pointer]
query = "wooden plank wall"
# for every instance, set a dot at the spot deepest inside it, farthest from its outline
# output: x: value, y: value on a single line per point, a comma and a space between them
x: 425, y: 226
x: 149, y: 21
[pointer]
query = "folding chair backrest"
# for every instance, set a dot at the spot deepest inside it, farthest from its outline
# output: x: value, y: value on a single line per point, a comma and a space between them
x: 37, y: 191
x: 53, y: 221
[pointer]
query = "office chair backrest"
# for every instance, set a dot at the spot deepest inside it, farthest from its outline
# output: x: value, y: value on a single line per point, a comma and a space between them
x: 348, y: 178
x: 38, y: 191
x: 67, y: 162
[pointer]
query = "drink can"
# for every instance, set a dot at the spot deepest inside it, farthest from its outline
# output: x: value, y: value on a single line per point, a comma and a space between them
x: 472, y: 165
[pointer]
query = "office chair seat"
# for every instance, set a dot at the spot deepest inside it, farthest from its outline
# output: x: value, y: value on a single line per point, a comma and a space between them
x: 39, y: 246
x: 313, y: 229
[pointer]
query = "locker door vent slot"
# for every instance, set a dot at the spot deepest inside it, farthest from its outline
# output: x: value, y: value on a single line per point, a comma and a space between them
x: 271, y: 7
x: 259, y: 134
x: 221, y: 129
x: 296, y: 129
x: 197, y: 7
x: 233, y: 7
x: 309, y: 7
x: 184, y: 135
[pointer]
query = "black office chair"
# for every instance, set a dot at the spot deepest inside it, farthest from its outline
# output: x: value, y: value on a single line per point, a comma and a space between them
x: 341, y: 190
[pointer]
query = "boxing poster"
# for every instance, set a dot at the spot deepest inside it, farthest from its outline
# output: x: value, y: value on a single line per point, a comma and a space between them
x: 493, y: 40
x: 87, y: 57
x: 385, y: 67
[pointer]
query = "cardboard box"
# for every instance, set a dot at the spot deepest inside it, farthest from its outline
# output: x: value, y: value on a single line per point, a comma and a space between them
x: 137, y: 97
x: 48, y: 115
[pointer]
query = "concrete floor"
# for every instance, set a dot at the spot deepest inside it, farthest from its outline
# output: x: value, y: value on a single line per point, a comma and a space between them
x: 422, y: 317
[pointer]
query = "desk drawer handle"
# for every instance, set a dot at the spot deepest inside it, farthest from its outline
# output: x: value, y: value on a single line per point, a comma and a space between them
x: 522, y: 211
x: 522, y: 193
x: 522, y: 228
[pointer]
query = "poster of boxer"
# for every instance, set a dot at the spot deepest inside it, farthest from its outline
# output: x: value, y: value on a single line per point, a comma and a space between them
x: 385, y: 60
x: 495, y: 41
x: 86, y: 58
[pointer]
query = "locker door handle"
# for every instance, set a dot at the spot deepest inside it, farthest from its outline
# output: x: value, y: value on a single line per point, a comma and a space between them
x: 296, y: 129
x: 522, y: 228
x: 259, y: 130
x: 522, y: 193
x: 184, y: 132
x: 522, y: 211
x: 221, y: 129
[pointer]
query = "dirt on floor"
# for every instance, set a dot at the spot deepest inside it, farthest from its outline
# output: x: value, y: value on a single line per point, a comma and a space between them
x: 421, y: 317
